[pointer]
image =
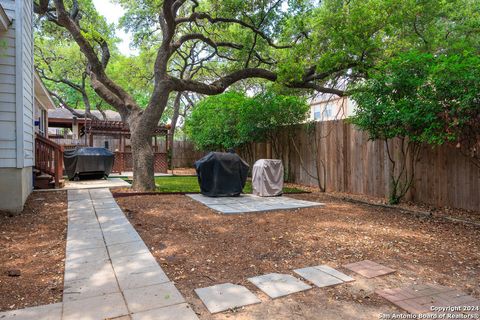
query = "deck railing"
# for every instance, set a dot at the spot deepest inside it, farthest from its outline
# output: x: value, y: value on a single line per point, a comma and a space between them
x: 49, y: 158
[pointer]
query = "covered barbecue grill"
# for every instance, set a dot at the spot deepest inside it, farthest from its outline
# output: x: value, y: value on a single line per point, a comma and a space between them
x: 88, y: 162
x: 221, y: 174
x: 267, y: 178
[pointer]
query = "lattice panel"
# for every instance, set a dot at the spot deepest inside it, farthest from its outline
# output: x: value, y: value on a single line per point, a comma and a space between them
x: 124, y: 162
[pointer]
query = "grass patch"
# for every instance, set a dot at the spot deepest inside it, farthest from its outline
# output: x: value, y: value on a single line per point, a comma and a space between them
x: 190, y: 184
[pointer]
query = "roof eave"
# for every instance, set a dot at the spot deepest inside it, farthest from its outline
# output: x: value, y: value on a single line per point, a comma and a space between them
x: 42, y: 94
x: 4, y: 20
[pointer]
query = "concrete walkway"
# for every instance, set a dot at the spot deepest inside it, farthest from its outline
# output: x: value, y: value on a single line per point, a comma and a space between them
x: 111, y: 182
x: 109, y: 271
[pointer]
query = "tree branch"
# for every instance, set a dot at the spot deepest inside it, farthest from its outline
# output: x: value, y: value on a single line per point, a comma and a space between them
x: 223, y: 83
x: 65, y: 105
x: 118, y: 97
x: 195, y: 16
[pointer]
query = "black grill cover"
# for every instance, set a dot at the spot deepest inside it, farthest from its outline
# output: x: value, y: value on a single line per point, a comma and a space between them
x: 91, y: 162
x: 221, y: 174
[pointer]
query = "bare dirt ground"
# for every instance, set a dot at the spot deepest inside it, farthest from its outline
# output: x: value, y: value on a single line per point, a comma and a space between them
x: 198, y: 247
x: 32, y: 252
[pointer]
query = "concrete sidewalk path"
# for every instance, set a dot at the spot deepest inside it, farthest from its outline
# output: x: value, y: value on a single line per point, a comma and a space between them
x: 109, y: 271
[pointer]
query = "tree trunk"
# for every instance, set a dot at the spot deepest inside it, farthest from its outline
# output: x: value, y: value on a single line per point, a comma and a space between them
x: 142, y: 154
x: 142, y: 125
x: 143, y: 161
x: 176, y: 112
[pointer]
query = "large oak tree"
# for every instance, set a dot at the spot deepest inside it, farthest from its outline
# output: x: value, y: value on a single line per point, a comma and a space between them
x: 179, y: 22
x: 299, y: 44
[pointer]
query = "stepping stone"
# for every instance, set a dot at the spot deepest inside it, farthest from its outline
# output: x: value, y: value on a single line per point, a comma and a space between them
x: 335, y: 273
x: 323, y: 276
x: 177, y: 312
x: 369, y: 269
x: 278, y: 285
x: 226, y: 296
x: 424, y: 298
x: 45, y: 312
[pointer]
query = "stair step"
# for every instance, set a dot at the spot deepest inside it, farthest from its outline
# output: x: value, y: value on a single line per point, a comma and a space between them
x: 61, y: 183
x: 44, y: 177
x: 42, y: 184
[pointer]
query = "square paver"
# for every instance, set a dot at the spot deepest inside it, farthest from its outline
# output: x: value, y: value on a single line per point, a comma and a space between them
x: 323, y: 276
x: 134, y: 262
x: 101, y: 307
x: 87, y: 288
x: 45, y: 312
x: 178, y: 312
x: 369, y: 269
x: 86, y: 256
x: 337, y: 274
x: 278, y: 285
x: 121, y: 237
x: 251, y: 203
x: 226, y: 296
x: 152, y: 297
x: 95, y: 270
x: 127, y: 249
x: 421, y: 298
x: 129, y: 279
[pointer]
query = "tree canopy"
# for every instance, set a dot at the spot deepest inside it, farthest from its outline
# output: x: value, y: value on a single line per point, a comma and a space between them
x: 426, y: 98
x: 232, y: 120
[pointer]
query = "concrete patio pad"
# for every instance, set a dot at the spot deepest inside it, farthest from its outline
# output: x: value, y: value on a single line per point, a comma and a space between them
x: 278, y: 285
x: 251, y: 203
x: 226, y: 296
x: 323, y: 276
x: 369, y: 269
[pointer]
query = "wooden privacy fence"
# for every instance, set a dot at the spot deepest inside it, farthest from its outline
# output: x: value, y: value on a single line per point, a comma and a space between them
x: 354, y: 164
x: 184, y: 154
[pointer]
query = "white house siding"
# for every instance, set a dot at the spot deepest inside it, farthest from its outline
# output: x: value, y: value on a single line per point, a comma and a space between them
x: 26, y: 158
x: 8, y: 149
x: 16, y: 106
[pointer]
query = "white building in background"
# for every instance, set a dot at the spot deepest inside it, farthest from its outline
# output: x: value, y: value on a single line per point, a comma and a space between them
x: 327, y: 107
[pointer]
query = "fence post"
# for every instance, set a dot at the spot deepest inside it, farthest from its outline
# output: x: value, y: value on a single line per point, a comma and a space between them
x: 56, y: 161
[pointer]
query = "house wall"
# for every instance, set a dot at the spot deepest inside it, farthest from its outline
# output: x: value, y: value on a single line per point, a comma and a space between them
x: 335, y: 108
x: 40, y: 115
x: 16, y: 106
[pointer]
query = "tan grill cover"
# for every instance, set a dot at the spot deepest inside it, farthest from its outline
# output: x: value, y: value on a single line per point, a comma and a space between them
x: 267, y: 178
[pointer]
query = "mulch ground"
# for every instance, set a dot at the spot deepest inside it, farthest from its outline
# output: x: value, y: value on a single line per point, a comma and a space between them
x: 32, y: 252
x: 198, y: 247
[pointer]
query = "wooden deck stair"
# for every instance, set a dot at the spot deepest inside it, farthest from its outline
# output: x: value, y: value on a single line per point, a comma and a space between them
x: 48, y: 167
